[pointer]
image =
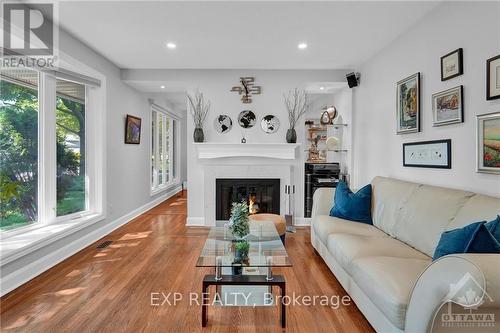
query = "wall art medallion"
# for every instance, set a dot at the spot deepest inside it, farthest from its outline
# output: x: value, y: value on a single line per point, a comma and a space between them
x: 448, y: 107
x: 132, y: 130
x: 408, y: 105
x: 452, y: 65
x: 488, y: 143
x: 329, y: 113
x: 270, y: 124
x: 223, y: 123
x: 493, y: 78
x: 247, y: 119
x: 428, y: 154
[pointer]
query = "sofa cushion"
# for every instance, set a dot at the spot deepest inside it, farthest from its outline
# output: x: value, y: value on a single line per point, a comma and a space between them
x: 353, y: 206
x: 325, y: 225
x: 388, y: 196
x: 388, y: 282
x: 477, y: 208
x: 426, y: 214
x: 347, y: 247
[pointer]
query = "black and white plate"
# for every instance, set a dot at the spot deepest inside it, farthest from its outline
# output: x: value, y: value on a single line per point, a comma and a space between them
x: 247, y: 119
x: 270, y: 124
x: 223, y: 123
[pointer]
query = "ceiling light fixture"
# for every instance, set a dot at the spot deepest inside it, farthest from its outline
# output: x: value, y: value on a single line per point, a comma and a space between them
x: 321, y: 88
x: 162, y: 87
x: 171, y: 46
x: 302, y: 46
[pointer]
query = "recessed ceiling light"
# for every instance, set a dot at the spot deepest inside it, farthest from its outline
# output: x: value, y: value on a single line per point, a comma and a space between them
x: 162, y: 87
x: 321, y: 88
x: 302, y: 46
x: 171, y: 46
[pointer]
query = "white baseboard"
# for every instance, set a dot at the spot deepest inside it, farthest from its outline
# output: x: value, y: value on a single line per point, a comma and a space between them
x: 28, y: 272
x: 302, y: 221
x: 195, y: 222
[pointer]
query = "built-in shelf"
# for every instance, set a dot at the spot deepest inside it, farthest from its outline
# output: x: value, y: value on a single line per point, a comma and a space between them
x: 211, y: 150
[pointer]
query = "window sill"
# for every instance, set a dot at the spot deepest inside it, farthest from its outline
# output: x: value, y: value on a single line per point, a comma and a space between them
x: 165, y: 187
x: 21, y: 244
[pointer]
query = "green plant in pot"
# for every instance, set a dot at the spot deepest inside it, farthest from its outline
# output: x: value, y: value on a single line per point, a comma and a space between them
x: 241, y: 249
x: 296, y: 106
x: 199, y: 108
x: 238, y: 223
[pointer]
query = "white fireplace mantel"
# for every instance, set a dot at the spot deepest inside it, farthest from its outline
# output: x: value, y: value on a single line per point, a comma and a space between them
x: 283, y: 151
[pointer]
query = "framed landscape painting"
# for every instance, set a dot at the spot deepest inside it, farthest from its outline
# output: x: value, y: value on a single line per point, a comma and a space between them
x: 408, y: 105
x: 493, y: 78
x: 428, y: 154
x: 452, y: 65
x: 488, y: 143
x: 133, y: 130
x: 448, y: 107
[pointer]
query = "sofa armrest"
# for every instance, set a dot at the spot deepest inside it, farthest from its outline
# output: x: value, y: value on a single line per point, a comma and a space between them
x: 322, y: 201
x: 446, y: 280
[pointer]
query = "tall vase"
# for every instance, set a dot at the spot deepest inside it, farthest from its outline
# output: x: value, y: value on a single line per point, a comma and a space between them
x: 291, y: 135
x: 198, y: 135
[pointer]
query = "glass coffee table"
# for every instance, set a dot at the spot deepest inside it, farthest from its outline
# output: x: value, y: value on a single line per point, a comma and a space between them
x: 244, y: 262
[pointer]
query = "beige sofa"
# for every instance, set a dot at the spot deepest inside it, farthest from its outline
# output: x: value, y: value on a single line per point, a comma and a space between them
x: 387, y: 267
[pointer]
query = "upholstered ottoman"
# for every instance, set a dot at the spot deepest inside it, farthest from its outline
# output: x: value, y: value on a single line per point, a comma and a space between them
x: 278, y: 220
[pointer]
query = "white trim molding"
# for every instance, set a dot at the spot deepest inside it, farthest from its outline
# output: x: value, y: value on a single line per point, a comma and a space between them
x: 283, y: 151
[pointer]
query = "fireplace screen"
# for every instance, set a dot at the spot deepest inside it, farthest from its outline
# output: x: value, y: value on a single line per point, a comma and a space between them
x: 262, y: 196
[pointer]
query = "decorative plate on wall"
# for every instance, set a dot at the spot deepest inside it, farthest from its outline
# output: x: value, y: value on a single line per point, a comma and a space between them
x: 223, y: 123
x: 270, y: 124
x: 247, y: 119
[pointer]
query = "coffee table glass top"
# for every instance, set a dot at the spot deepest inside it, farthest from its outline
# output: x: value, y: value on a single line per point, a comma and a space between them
x: 264, y: 245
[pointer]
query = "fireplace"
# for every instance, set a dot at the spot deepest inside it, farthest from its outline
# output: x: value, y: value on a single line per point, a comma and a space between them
x: 262, y: 195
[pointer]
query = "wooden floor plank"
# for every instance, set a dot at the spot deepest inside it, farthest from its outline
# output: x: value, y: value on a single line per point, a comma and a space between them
x: 109, y: 290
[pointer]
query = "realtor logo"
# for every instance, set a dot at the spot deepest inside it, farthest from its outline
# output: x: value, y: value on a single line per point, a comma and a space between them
x: 28, y: 30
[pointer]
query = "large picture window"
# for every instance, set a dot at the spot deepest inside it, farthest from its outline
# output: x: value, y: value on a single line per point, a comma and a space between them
x: 163, y: 148
x: 45, y: 176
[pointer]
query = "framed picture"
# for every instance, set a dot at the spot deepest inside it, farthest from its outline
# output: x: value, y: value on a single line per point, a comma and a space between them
x: 452, y: 65
x: 493, y: 78
x: 133, y: 130
x: 488, y: 143
x: 428, y: 154
x: 408, y: 105
x: 448, y: 107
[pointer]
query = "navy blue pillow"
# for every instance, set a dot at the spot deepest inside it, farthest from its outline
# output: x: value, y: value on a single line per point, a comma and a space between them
x: 473, y: 238
x: 494, y: 228
x: 352, y: 206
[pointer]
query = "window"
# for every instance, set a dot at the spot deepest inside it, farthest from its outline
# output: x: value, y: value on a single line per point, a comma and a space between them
x: 163, y: 148
x: 41, y: 182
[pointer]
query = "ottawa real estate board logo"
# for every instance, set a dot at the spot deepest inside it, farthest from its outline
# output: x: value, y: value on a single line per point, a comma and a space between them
x: 29, y: 35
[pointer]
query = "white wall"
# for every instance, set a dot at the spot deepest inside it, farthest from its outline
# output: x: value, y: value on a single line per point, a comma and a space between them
x: 474, y: 26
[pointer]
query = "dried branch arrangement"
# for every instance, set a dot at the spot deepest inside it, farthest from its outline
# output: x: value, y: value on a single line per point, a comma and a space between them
x: 296, y: 105
x: 199, y: 108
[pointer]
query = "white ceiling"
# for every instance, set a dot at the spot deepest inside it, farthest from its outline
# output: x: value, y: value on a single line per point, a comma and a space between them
x: 242, y: 34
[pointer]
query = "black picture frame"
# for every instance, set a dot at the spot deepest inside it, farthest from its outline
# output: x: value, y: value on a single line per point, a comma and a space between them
x: 460, y: 64
x: 423, y: 143
x: 129, y: 121
x: 488, y: 79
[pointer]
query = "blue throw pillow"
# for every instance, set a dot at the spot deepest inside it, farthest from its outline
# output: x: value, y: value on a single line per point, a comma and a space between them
x: 473, y: 238
x: 494, y: 228
x: 352, y: 206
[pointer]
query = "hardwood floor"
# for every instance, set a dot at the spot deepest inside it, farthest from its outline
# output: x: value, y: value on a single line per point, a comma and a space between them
x: 109, y: 290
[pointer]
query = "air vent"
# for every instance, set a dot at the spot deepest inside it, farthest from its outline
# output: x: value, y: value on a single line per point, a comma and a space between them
x: 104, y: 244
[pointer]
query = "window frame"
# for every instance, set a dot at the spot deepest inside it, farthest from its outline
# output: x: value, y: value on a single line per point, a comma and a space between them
x: 95, y: 122
x: 174, y: 134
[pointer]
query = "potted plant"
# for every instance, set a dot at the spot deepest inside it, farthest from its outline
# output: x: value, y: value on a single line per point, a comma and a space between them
x: 199, y: 109
x: 240, y: 256
x: 296, y: 106
x: 238, y: 223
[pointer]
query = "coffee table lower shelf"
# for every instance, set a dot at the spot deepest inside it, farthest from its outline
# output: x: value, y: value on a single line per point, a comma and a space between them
x: 244, y: 280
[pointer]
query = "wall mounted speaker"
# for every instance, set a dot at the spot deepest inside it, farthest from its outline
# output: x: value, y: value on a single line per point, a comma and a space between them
x: 352, y: 79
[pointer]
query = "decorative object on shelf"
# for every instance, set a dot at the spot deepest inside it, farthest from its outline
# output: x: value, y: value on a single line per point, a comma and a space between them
x: 314, y: 155
x: 448, y: 107
x: 408, y: 105
x: 332, y: 143
x: 488, y: 141
x: 493, y: 78
x: 132, y: 130
x: 428, y: 154
x: 223, y: 123
x: 309, y: 123
x: 452, y: 65
x: 199, y: 108
x: 238, y: 223
x: 296, y: 106
x: 270, y: 124
x: 243, y: 140
x: 329, y: 113
x: 247, y: 119
x: 247, y: 89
